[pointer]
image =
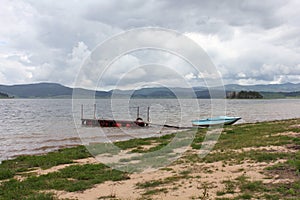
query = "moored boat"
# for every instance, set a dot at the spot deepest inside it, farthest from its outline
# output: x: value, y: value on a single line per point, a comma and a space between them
x: 114, y: 123
x: 221, y: 120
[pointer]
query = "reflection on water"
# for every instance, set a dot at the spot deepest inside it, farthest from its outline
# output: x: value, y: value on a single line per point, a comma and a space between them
x: 30, y: 126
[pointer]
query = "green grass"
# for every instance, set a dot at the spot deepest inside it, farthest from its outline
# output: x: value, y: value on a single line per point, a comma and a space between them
x: 251, y: 186
x: 153, y: 186
x: 256, y: 135
x: 72, y: 178
x: 156, y: 186
x: 243, y: 184
x: 6, y: 173
x: 41, y: 196
x: 174, y: 141
x: 241, y: 136
x: 129, y: 144
x: 295, y: 162
x: 137, y: 142
x: 148, y: 184
x: 234, y: 157
x: 9, y: 168
x: 230, y: 186
x: 158, y: 156
x: 230, y: 143
x: 255, y: 189
x: 244, y: 196
x: 155, y: 191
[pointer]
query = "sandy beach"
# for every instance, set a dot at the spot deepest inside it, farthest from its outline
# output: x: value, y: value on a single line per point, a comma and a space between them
x: 249, y: 161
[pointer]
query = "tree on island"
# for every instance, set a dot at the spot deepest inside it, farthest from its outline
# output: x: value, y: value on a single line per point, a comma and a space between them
x: 4, y: 96
x: 244, y: 95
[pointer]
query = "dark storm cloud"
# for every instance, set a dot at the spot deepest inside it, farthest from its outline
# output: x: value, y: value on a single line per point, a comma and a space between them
x: 187, y: 16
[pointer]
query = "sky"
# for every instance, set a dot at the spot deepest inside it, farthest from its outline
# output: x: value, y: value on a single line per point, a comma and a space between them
x: 249, y: 42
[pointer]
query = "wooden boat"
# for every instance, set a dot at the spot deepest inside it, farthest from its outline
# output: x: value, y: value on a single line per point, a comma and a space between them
x: 139, y: 122
x: 114, y: 123
x: 222, y: 120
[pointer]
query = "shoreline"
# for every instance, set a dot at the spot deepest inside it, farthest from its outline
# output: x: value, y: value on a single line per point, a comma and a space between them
x: 171, y: 132
x: 251, y: 160
x: 23, y: 135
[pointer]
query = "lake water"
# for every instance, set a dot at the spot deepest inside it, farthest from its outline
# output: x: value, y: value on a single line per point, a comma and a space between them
x: 32, y: 126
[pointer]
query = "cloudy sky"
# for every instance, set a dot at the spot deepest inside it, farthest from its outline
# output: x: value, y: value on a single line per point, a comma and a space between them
x: 249, y: 42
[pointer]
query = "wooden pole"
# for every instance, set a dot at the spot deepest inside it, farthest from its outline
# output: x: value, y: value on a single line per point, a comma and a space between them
x: 148, y: 114
x: 138, y: 112
x: 81, y: 111
x: 94, y: 111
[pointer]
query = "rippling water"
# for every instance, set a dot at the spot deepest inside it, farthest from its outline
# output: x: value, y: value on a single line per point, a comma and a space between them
x: 31, y: 126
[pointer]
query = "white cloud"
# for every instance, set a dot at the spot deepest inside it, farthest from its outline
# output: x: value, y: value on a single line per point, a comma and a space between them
x: 190, y: 76
x: 260, y: 55
x: 15, y: 71
x: 248, y: 41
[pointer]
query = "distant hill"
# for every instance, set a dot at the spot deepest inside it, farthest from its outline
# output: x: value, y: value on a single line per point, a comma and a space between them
x: 286, y: 87
x: 158, y: 92
x: 280, y: 95
x: 39, y: 90
x: 46, y: 90
x: 54, y: 90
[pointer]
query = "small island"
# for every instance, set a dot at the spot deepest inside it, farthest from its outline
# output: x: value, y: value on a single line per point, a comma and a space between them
x: 244, y: 95
x: 5, y: 96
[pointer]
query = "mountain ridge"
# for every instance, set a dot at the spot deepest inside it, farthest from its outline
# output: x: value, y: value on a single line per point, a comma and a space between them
x: 56, y: 90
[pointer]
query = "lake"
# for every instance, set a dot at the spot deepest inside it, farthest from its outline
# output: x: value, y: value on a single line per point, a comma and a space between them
x: 32, y: 126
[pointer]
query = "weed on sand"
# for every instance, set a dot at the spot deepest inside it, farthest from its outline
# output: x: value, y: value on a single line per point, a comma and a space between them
x: 24, y: 163
x: 256, y: 135
x: 229, y: 149
x: 72, y: 178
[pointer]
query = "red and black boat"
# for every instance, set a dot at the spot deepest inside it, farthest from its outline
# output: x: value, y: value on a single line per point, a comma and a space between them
x: 139, y: 122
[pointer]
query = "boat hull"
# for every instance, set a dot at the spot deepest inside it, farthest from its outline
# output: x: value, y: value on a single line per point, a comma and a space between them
x: 113, y: 123
x: 215, y: 121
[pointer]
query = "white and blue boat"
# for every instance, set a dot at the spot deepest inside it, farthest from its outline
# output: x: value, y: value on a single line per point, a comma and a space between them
x: 221, y: 120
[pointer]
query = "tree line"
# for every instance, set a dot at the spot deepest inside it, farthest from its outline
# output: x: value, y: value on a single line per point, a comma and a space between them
x: 244, y: 95
x: 4, y: 95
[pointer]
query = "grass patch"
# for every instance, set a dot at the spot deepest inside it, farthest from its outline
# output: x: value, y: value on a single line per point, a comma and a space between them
x: 6, y: 173
x: 238, y: 157
x: 243, y: 184
x: 9, y: 168
x: 295, y: 162
x: 185, y: 173
x: 252, y: 186
x: 233, y: 138
x: 167, y: 169
x: 137, y: 142
x: 289, y: 168
x: 172, y: 141
x: 161, y: 182
x: 230, y: 187
x: 41, y: 196
x: 244, y: 196
x: 190, y: 157
x: 156, y: 191
x: 257, y: 189
x: 72, y: 178
x: 147, y: 184
x: 250, y: 135
x: 133, y: 143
